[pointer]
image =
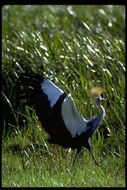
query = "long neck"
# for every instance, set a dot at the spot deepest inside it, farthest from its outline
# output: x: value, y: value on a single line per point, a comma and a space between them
x: 95, y: 122
x: 102, y: 110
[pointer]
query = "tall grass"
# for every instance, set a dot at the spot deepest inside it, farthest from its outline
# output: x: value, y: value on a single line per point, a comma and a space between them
x: 77, y: 47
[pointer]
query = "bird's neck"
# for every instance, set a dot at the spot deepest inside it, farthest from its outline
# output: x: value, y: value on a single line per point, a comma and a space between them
x: 102, y: 110
x: 96, y: 121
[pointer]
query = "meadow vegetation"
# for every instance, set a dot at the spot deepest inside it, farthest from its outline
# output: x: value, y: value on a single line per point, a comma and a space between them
x: 77, y: 47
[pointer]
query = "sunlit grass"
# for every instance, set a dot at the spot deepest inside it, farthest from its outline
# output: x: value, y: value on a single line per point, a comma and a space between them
x: 77, y: 47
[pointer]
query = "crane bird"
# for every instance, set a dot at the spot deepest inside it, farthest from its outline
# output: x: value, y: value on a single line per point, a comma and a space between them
x: 58, y: 114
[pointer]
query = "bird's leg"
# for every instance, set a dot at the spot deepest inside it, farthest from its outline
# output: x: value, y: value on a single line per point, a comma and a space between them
x: 96, y: 162
x: 77, y: 153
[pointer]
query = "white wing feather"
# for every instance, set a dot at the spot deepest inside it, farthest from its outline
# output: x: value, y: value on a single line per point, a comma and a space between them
x: 52, y: 91
x: 74, y: 122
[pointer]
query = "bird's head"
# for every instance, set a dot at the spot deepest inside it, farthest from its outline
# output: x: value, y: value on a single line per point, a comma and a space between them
x: 95, y: 93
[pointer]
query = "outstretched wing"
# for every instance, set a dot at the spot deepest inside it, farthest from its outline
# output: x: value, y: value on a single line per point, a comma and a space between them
x: 34, y: 86
x: 51, y: 90
x: 40, y: 93
x: 73, y: 120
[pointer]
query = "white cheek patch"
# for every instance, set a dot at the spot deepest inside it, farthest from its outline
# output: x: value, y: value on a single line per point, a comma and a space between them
x: 51, y: 90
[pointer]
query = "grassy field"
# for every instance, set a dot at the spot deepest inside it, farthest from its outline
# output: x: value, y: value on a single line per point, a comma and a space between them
x: 77, y: 47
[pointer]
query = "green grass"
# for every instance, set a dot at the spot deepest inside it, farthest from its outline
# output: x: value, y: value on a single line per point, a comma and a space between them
x: 77, y: 47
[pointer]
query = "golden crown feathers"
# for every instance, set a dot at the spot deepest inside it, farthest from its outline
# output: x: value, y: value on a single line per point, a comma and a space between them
x: 96, y: 91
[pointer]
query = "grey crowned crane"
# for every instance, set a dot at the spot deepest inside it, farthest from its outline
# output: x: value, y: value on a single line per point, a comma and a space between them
x: 58, y: 114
